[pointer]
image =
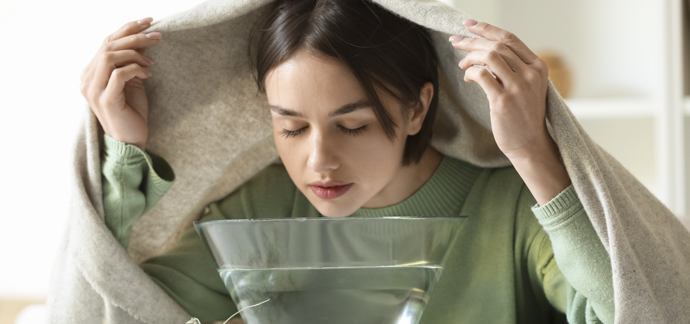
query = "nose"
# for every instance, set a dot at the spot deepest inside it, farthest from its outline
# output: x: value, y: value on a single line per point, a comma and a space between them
x: 321, y: 157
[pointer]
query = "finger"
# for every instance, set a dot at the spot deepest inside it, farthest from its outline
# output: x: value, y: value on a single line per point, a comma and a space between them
x: 142, y: 51
x: 493, y: 61
x: 482, y: 76
x: 109, y: 61
x: 477, y: 44
x: 120, y: 76
x: 130, y: 28
x: 122, y: 58
x: 136, y: 41
x: 497, y: 34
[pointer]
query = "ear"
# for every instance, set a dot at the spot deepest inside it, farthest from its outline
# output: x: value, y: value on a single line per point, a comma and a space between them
x: 416, y: 115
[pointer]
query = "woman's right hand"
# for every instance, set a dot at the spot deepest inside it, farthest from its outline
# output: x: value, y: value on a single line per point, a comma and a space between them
x: 112, y: 83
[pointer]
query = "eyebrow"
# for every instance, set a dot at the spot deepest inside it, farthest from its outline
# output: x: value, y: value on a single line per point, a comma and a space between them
x: 341, y: 111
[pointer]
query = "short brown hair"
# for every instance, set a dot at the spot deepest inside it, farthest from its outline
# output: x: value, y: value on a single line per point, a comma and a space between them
x: 379, y: 47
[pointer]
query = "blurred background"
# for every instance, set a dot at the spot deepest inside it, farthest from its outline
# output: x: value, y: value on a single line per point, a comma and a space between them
x: 623, y: 67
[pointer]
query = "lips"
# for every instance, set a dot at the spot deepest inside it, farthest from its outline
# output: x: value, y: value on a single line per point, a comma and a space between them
x: 327, y: 184
x: 329, y: 190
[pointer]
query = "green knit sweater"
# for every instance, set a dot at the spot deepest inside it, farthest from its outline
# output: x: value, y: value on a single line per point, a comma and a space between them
x: 502, y: 270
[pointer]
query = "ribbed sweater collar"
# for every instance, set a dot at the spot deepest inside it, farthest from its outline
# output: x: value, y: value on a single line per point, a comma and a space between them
x: 442, y: 195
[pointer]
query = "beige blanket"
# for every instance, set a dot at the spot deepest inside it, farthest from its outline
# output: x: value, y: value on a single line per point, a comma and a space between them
x: 209, y: 122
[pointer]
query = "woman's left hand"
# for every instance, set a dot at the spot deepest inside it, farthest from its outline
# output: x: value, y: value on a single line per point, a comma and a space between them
x: 517, y: 96
x: 517, y: 99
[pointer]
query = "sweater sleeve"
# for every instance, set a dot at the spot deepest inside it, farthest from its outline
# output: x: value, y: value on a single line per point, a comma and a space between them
x: 133, y: 182
x: 570, y: 262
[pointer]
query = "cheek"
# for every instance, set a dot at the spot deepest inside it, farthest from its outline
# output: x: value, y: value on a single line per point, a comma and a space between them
x: 374, y: 151
x: 289, y: 154
x: 375, y: 160
x: 291, y: 158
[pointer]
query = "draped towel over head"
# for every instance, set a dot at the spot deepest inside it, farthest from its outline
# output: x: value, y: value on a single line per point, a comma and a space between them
x: 208, y: 120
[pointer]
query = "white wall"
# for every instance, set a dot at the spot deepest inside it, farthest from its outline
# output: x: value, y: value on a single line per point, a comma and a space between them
x: 45, y: 46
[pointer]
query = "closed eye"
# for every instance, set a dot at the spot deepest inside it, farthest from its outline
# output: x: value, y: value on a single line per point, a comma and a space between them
x: 354, y: 132
x: 289, y: 133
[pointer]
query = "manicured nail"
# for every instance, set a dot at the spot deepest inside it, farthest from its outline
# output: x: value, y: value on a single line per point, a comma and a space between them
x: 469, y: 22
x: 154, y: 35
x: 145, y: 21
x: 455, y: 39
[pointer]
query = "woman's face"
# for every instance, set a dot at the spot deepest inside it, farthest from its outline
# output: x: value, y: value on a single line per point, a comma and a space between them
x: 325, y: 131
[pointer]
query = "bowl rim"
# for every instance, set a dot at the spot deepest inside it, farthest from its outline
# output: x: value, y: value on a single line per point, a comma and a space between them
x: 326, y: 219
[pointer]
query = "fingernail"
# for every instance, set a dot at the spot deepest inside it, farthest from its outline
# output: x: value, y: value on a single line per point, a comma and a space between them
x: 154, y: 35
x: 148, y: 59
x: 455, y: 39
x: 145, y: 21
x: 469, y: 22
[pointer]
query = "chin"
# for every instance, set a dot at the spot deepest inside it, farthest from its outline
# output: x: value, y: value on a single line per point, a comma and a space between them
x: 333, y: 210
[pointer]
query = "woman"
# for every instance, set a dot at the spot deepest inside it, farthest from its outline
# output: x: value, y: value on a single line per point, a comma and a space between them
x: 352, y: 90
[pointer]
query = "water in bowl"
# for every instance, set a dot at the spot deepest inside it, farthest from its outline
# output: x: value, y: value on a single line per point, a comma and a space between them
x: 365, y: 295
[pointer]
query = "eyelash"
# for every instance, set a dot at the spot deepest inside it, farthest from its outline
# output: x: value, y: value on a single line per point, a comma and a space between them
x: 353, y: 132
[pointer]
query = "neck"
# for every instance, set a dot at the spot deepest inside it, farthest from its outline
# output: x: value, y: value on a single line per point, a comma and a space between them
x: 407, y: 180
